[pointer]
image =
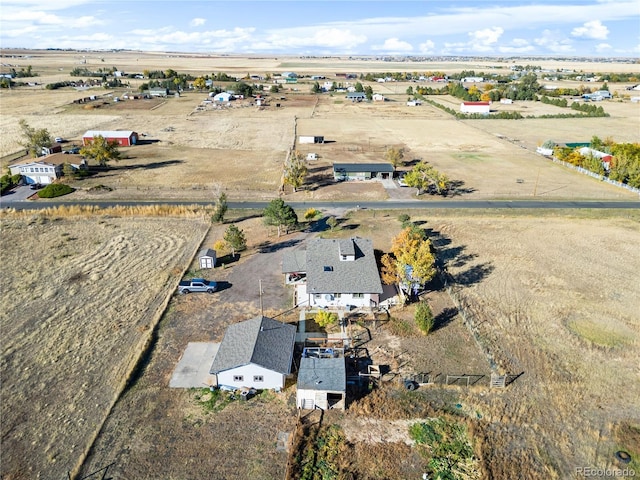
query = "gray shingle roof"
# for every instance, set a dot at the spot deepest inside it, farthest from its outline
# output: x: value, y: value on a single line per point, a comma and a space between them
x: 356, y: 276
x: 295, y: 261
x: 362, y: 167
x: 322, y: 374
x: 262, y: 341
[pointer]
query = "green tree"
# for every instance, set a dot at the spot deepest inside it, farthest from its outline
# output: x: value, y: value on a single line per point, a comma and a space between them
x: 235, y: 239
x: 295, y: 171
x: 409, y: 90
x: 325, y: 318
x: 368, y: 91
x: 280, y: 215
x: 68, y: 170
x: 220, y: 208
x: 101, y: 150
x: 316, y: 88
x: 274, y: 89
x: 359, y: 87
x: 424, y: 317
x: 34, y: 139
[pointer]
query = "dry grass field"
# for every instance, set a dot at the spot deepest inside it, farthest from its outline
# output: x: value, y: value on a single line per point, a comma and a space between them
x: 80, y: 299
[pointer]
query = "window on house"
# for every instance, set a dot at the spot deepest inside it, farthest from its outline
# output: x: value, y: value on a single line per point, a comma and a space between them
x: 343, y: 257
x: 258, y: 378
x: 337, y: 295
x: 358, y: 295
x: 238, y: 378
x: 328, y: 268
x: 317, y: 296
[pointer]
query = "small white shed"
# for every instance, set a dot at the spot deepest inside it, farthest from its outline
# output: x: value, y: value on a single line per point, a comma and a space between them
x: 207, y: 258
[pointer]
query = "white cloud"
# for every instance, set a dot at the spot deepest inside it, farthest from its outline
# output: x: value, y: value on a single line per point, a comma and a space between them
x: 427, y: 47
x: 394, y: 45
x: 486, y: 37
x: 593, y: 29
x: 197, y: 22
x: 342, y: 40
x: 554, y: 42
x: 603, y: 47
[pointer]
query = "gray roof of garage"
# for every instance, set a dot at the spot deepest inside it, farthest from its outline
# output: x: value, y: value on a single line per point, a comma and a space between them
x: 362, y: 167
x: 262, y: 341
x: 295, y: 261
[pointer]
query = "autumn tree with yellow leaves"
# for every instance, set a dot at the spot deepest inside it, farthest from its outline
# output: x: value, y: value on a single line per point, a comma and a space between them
x: 411, y: 262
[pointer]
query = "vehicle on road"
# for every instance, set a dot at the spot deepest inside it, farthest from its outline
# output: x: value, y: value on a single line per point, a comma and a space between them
x: 197, y: 285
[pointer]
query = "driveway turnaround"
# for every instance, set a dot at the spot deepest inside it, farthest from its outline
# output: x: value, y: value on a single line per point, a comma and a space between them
x: 192, y: 370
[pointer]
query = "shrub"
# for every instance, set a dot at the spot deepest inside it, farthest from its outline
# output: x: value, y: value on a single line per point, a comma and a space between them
x: 325, y: 318
x: 311, y: 213
x: 55, y: 190
x: 424, y: 317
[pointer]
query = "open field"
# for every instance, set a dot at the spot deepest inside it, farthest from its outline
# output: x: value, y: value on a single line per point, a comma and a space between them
x: 80, y: 299
x: 242, y: 149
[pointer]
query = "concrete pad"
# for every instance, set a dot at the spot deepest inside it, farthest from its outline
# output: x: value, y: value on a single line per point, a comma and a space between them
x: 192, y: 370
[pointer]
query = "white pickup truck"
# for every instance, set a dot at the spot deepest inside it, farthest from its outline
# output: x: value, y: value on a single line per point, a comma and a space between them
x: 197, y: 285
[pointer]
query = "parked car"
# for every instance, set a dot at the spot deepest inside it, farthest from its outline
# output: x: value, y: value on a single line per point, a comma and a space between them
x: 197, y: 285
x: 73, y: 150
x: 35, y: 186
x: 58, y: 139
x: 401, y: 181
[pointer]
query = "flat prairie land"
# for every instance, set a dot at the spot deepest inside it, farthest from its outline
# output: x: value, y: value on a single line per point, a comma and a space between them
x: 555, y: 298
x: 77, y: 312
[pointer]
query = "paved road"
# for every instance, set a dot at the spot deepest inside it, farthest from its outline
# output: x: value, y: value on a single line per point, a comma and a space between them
x: 383, y: 205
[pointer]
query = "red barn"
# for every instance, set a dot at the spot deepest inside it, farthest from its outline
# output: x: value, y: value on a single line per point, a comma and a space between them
x: 124, y: 138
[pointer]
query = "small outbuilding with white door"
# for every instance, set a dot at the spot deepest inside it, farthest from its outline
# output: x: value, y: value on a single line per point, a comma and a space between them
x: 207, y: 258
x: 310, y: 139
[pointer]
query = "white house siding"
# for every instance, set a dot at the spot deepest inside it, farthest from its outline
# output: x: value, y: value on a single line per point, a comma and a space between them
x: 336, y: 300
x: 310, y: 399
x: 307, y: 139
x: 475, y: 108
x: 35, y: 173
x: 271, y: 380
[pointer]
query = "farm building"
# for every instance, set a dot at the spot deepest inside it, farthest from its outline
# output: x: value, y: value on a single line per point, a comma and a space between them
x: 378, y: 97
x: 604, y: 157
x: 414, y: 103
x: 472, y: 80
x: 223, y: 97
x: 54, y: 148
x: 310, y: 139
x: 322, y: 379
x: 475, y: 107
x: 356, y: 96
x: 256, y: 353
x: 45, y: 170
x: 158, y: 92
x: 207, y: 258
x: 506, y: 101
x: 124, y: 138
x: 333, y: 273
x: 361, y: 171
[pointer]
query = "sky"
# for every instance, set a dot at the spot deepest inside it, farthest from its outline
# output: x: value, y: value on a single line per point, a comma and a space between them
x: 566, y: 28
